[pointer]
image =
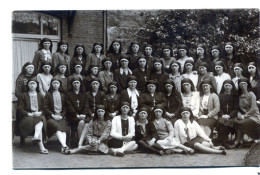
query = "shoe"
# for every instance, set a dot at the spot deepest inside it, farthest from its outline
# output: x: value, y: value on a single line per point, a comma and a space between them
x: 221, y: 148
x: 238, y: 145
x: 224, y: 152
x: 226, y: 145
x: 161, y: 153
x: 191, y: 152
x: 119, y: 154
x: 45, y: 151
x: 36, y: 140
x: 64, y: 149
x: 185, y: 152
x: 169, y: 151
x: 67, y: 152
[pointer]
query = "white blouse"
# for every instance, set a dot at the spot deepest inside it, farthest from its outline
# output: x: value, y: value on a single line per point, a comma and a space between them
x: 192, y: 102
x: 220, y: 79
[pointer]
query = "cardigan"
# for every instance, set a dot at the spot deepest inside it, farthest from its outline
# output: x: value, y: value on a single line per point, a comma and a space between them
x: 213, y: 106
x: 105, y: 79
x: 194, y: 130
x: 116, y: 129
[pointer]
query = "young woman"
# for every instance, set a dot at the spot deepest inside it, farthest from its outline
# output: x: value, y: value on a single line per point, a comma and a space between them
x: 96, y: 56
x: 133, y: 54
x: 22, y: 79
x: 254, y: 80
x: 238, y: 69
x: 189, y: 133
x: 31, y: 105
x: 96, y: 134
x: 202, y: 56
x: 173, y: 101
x: 62, y: 69
x: 77, y: 105
x: 158, y: 74
x: 221, y: 75
x: 204, y: 74
x: 248, y: 117
x: 152, y: 97
x: 122, y: 132
x: 61, y: 55
x: 142, y: 73
x: 120, y: 75
x: 149, y: 56
x: 131, y: 95
x: 167, y: 58
x: 112, y: 100
x: 44, y: 77
x: 189, y: 72
x: 182, y: 54
x: 106, y: 76
x: 162, y: 138
x: 91, y: 73
x: 44, y: 53
x: 79, y: 56
x: 114, y: 52
x: 56, y: 113
x: 77, y: 73
x: 228, y: 99
x: 209, y: 107
x: 190, y: 97
x: 175, y: 75
x: 216, y: 56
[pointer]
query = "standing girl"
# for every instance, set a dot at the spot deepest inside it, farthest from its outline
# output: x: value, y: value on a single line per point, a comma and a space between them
x: 114, y: 52
x: 44, y: 77
x: 133, y: 54
x: 96, y: 56
x: 158, y: 74
x: 78, y: 57
x: 183, y: 52
x: 62, y: 69
x: 167, y: 58
x: 175, y: 75
x: 189, y: 72
x: 106, y: 76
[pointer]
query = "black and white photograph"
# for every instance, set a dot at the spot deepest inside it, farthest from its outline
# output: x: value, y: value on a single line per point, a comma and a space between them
x: 135, y: 88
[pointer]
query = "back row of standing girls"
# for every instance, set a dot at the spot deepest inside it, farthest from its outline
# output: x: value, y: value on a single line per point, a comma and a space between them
x: 176, y: 81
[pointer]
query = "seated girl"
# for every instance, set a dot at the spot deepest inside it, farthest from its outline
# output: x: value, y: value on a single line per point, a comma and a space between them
x: 31, y: 107
x: 56, y: 113
x: 189, y: 133
x: 122, y: 132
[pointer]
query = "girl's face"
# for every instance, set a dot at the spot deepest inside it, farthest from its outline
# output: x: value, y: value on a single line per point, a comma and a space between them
x: 63, y: 48
x: 95, y: 86
x: 29, y: 70
x: 108, y: 65
x: 175, y: 52
x: 80, y: 50
x: 228, y: 88
x: 124, y: 63
x: 94, y: 71
x: 142, y: 115
x: 252, y: 70
x: 168, y: 88
x: 125, y: 109
x: 238, y: 71
x: 62, y: 69
x: 166, y: 52
x: 175, y: 68
x: 148, y: 51
x: 182, y: 52
x: 142, y: 63
x: 200, y: 51
x: 215, y: 53
x: 151, y: 88
x: 32, y: 85
x: 188, y: 67
x: 202, y: 70
x: 219, y: 70
x: 113, y: 89
x: 98, y: 48
x: 55, y: 85
x: 243, y: 86
x: 186, y: 87
x: 158, y: 66
x: 185, y: 115
x: 101, y: 114
x: 135, y: 48
x: 132, y: 84
x: 206, y: 88
x: 228, y: 49
x: 116, y: 46
x: 76, y: 85
x: 46, y: 69
x: 78, y: 69
x: 47, y: 45
x: 158, y: 114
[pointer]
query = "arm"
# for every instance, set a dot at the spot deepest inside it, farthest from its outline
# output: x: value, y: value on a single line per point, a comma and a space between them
x: 88, y: 61
x: 233, y: 113
x: 40, y: 85
x: 113, y: 132
x: 47, y: 111
x: 216, y: 106
x: 176, y: 132
x: 106, y: 132
x: 253, y: 107
x: 55, y: 61
x: 213, y: 82
x: 69, y: 105
x: 21, y: 105
x: 102, y: 79
x: 197, y: 104
x: 170, y: 128
x: 64, y: 107
x: 89, y: 133
x: 200, y: 132
x: 19, y: 86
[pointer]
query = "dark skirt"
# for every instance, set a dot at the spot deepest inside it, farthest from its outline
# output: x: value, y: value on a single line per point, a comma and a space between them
x: 115, y: 143
x: 249, y: 127
x: 74, y: 121
x: 210, y: 122
x: 27, y: 125
x: 192, y: 142
x: 53, y: 126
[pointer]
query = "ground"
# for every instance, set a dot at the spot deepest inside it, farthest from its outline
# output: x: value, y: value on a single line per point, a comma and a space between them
x: 29, y: 157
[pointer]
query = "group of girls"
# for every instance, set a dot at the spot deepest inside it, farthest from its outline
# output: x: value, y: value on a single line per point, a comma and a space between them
x: 123, y: 102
